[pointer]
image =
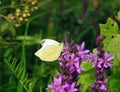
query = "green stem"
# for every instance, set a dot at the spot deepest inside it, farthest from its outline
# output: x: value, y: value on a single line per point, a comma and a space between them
x: 5, y: 18
x: 4, y: 7
x: 23, y: 58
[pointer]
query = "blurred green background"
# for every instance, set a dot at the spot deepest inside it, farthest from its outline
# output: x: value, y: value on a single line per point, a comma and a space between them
x: 23, y: 23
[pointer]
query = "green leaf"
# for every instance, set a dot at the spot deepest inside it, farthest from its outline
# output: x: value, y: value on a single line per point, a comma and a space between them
x: 118, y: 15
x: 109, y: 28
x: 112, y: 45
x: 87, y: 65
x: 5, y: 26
x: 12, y: 29
x: 114, y: 82
x: 30, y: 40
x: 86, y: 78
x: 19, y: 72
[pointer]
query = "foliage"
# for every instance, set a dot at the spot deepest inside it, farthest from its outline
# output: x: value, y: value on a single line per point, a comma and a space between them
x: 112, y: 45
x: 23, y: 23
x: 87, y: 78
x: 19, y: 71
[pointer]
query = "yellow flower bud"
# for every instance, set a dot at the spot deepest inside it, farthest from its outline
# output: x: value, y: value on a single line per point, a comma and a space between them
x: 17, y: 25
x: 17, y: 14
x: 18, y: 10
x: 21, y: 19
x: 33, y: 3
x: 26, y: 8
x: 24, y: 15
x: 26, y: 19
x: 35, y: 7
x: 26, y: 11
x: 28, y: 14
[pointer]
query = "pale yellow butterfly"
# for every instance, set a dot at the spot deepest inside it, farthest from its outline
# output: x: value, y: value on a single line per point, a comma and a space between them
x: 50, y: 50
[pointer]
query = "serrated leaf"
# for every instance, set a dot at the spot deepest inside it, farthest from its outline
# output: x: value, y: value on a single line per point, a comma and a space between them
x: 112, y: 45
x: 17, y: 67
x: 24, y: 74
x: 14, y: 63
x: 109, y: 28
x: 24, y: 78
x: 20, y: 74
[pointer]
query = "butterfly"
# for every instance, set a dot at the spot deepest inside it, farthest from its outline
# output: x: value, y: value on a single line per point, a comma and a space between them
x: 50, y: 50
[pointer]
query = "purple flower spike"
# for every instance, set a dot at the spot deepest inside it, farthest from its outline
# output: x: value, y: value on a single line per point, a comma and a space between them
x: 70, y: 60
x: 101, y: 61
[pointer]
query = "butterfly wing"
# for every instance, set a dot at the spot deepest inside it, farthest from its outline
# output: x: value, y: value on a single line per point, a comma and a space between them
x: 46, y: 42
x: 49, y: 52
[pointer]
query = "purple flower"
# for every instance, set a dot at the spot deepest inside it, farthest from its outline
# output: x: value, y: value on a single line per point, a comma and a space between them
x: 58, y: 86
x: 99, y: 85
x: 71, y: 88
x: 106, y: 60
x: 83, y: 54
x: 102, y: 84
x: 94, y: 58
x: 81, y: 48
x: 73, y: 63
x: 102, y: 62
